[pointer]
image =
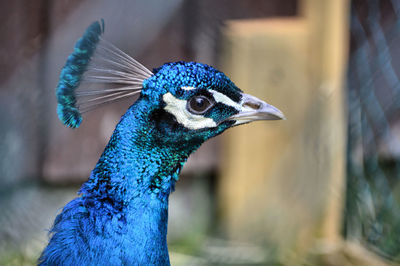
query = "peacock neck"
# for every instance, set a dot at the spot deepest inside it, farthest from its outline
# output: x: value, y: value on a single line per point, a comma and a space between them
x: 137, y: 163
x: 133, y: 179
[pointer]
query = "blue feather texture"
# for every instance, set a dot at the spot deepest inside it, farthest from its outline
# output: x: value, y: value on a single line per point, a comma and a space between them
x: 72, y: 72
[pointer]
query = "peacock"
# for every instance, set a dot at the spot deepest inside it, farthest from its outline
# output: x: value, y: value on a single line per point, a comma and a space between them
x: 120, y: 215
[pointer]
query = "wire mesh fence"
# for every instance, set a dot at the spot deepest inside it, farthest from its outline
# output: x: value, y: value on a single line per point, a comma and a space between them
x: 373, y: 188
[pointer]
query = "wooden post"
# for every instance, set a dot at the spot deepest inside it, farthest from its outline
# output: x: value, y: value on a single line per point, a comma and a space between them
x: 328, y: 26
x: 282, y: 182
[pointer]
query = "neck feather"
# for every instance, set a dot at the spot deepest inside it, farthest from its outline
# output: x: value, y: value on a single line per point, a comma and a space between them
x: 133, y: 179
x: 136, y: 164
x: 122, y: 213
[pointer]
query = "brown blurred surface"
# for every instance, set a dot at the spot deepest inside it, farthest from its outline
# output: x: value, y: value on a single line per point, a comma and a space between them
x: 282, y: 182
x: 25, y: 26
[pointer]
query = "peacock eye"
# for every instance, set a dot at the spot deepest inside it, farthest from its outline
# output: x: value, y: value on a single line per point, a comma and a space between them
x: 199, y: 104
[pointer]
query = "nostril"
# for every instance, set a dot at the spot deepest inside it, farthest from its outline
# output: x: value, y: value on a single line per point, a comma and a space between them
x: 252, y: 105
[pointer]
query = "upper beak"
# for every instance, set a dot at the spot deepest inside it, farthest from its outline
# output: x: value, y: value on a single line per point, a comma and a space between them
x: 253, y: 109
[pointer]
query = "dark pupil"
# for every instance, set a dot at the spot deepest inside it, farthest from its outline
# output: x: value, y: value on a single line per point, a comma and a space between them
x: 199, y: 103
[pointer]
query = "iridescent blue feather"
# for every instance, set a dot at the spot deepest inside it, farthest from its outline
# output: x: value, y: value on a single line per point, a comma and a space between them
x: 72, y: 72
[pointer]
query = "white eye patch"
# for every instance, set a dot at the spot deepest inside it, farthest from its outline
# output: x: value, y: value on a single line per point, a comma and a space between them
x: 222, y: 98
x: 188, y: 88
x: 177, y: 108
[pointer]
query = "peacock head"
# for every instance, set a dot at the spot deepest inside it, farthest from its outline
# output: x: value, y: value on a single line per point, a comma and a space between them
x: 188, y: 102
x: 194, y: 102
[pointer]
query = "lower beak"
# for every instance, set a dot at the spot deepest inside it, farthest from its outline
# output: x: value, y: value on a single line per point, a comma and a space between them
x: 253, y: 109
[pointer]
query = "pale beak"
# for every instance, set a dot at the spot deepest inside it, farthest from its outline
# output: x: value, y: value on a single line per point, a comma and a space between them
x: 253, y: 109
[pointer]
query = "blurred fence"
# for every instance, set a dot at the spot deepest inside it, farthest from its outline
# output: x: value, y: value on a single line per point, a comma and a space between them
x: 373, y: 184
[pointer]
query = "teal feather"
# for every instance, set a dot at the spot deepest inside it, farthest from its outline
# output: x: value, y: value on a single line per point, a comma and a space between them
x: 72, y: 72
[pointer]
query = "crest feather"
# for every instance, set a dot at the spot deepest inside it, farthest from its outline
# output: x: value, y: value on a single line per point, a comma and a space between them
x: 96, y: 73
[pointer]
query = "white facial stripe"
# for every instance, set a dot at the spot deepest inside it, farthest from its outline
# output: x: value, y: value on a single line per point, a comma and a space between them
x: 188, y: 88
x: 177, y: 108
x: 221, y: 98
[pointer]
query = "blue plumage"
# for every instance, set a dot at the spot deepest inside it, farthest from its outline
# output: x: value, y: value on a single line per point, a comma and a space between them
x: 72, y: 72
x: 121, y: 214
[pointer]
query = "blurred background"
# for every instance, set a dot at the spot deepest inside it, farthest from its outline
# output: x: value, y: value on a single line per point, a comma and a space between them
x: 321, y: 188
